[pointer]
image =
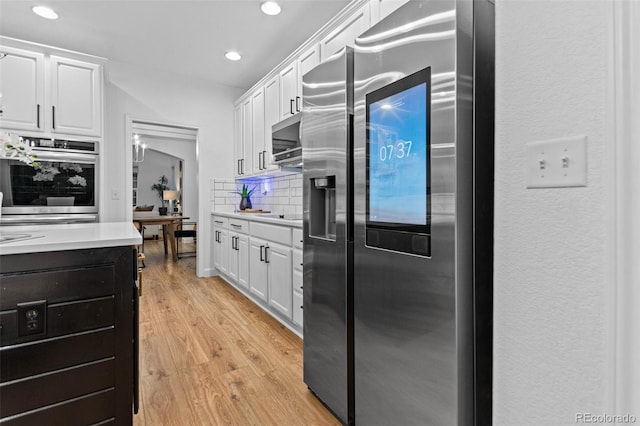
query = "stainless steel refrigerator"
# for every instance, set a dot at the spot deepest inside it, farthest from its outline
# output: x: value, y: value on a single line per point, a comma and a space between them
x: 397, y: 139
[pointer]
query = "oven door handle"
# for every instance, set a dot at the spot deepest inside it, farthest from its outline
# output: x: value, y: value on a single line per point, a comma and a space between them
x: 65, y: 157
x: 48, y: 218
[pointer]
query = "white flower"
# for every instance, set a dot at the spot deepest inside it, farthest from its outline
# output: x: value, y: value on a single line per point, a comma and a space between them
x: 12, y: 146
x: 74, y: 167
x: 77, y: 180
x: 46, y: 172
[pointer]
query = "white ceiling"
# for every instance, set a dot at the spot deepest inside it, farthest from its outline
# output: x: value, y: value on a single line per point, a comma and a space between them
x: 181, y: 36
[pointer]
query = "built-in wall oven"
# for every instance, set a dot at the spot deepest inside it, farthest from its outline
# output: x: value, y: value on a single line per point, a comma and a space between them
x: 61, y: 188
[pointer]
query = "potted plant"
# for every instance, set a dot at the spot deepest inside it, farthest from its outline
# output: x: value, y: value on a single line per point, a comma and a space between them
x: 160, y: 187
x: 245, y: 201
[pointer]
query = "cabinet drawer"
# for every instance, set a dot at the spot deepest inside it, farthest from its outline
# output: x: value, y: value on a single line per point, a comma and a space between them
x: 19, y: 396
x: 88, y: 410
x: 297, y: 280
x: 277, y: 234
x: 221, y: 222
x: 56, y: 286
x: 297, y: 238
x: 297, y: 260
x: 297, y: 308
x: 39, y: 357
x: 239, y: 225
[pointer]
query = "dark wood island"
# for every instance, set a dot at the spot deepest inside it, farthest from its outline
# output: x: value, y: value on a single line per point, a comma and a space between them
x: 68, y: 335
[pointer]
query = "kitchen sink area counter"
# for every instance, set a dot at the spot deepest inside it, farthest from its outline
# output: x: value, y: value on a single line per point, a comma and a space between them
x: 291, y: 220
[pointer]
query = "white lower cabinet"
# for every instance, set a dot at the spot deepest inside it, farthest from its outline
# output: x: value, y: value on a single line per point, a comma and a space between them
x: 278, y: 257
x: 258, y: 268
x: 220, y: 252
x: 238, y: 248
x: 264, y: 261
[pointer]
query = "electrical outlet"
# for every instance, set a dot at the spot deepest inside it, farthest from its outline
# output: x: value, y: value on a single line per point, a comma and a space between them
x: 557, y: 163
x: 32, y: 318
x: 115, y: 194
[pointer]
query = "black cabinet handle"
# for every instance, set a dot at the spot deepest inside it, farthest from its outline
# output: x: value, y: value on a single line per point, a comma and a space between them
x: 291, y: 106
x: 38, y: 116
x: 238, y: 167
x: 261, y: 255
x: 264, y: 159
x: 242, y: 166
x: 53, y: 116
x: 260, y: 161
x: 233, y: 243
x: 266, y: 258
x: 298, y: 103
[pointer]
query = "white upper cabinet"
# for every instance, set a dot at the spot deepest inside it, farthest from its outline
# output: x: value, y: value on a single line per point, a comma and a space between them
x: 306, y: 62
x: 288, y: 89
x: 291, y: 81
x: 76, y: 97
x: 258, y: 130
x: 246, y: 165
x: 345, y: 34
x: 380, y: 9
x: 22, y: 90
x: 271, y: 117
x: 49, y: 94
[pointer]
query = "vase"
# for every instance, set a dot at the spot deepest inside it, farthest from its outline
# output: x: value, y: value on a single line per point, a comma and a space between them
x: 245, y: 203
x: 60, y: 201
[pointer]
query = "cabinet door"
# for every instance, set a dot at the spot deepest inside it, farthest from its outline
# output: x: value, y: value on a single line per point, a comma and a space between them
x: 217, y: 249
x: 247, y: 137
x: 258, y: 268
x: 380, y: 9
x: 306, y: 62
x: 237, y: 138
x: 279, y: 259
x: 288, y: 90
x: 233, y: 257
x: 346, y: 33
x: 271, y: 117
x: 76, y: 97
x: 223, y: 236
x: 22, y: 90
x: 258, y: 130
x: 242, y: 243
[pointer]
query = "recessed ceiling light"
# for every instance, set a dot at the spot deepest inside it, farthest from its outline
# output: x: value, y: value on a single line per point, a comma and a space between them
x: 270, y: 7
x: 232, y: 55
x: 44, y: 12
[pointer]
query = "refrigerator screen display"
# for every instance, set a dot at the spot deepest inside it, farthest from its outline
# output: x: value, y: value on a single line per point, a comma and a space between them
x: 398, y: 155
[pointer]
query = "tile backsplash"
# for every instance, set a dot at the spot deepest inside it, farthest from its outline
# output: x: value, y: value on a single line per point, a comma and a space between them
x: 280, y: 195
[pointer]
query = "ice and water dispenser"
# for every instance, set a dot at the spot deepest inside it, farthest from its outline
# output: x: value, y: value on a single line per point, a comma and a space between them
x: 322, y: 220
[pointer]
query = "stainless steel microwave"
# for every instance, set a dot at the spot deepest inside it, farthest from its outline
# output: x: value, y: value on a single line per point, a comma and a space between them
x: 285, y: 139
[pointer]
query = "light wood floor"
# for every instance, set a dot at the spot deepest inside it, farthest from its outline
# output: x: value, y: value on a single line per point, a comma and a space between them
x: 209, y: 356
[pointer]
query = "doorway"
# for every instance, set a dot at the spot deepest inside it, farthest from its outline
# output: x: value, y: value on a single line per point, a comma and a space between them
x: 162, y: 152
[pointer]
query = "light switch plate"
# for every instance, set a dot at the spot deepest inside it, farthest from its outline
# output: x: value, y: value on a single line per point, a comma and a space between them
x: 557, y: 163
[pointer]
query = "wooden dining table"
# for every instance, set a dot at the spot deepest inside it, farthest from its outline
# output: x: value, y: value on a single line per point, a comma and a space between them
x: 168, y: 223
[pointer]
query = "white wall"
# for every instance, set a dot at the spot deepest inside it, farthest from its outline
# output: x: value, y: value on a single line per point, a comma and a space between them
x: 158, y: 96
x: 185, y: 150
x: 552, y: 283
x: 155, y: 164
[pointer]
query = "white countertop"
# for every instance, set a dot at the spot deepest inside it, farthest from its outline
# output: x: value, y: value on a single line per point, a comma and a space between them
x: 263, y: 217
x: 44, y: 238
